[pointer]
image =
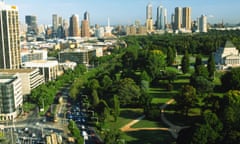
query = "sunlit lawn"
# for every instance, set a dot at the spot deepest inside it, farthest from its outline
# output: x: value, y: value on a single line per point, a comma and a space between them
x: 149, y: 124
x: 126, y: 116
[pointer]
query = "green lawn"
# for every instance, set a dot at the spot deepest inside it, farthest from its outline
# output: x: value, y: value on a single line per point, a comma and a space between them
x: 126, y: 116
x: 182, y: 120
x: 148, y: 124
x: 149, y: 137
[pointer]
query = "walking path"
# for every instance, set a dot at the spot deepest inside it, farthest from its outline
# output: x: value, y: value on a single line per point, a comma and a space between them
x: 173, y: 129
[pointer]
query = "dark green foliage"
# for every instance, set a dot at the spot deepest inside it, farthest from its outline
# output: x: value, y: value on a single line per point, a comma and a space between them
x: 186, y: 99
x: 231, y: 80
x: 211, y: 66
x: 113, y: 137
x: 185, y: 63
x: 198, y: 61
x: 128, y: 92
x: 170, y: 56
x: 202, y: 84
x: 155, y: 63
x: 73, y: 128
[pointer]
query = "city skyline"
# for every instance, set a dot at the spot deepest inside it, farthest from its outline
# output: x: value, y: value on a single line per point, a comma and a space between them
x: 125, y: 12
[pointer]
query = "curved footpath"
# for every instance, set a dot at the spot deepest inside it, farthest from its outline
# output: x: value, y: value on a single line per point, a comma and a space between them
x: 173, y: 129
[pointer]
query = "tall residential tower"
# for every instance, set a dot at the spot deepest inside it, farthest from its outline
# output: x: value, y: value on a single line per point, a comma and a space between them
x: 149, y: 19
x: 74, y: 30
x: 186, y: 19
x: 161, y: 21
x: 9, y: 37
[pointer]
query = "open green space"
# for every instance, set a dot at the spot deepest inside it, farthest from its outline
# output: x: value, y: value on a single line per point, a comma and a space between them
x: 126, y: 116
x: 149, y: 137
x: 180, y: 119
x: 149, y: 124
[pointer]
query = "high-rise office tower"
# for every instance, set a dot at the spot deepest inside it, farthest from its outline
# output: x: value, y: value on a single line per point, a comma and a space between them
x: 65, y: 28
x: 178, y: 18
x: 9, y: 37
x: 60, y: 21
x: 161, y: 18
x: 149, y: 20
x: 85, y: 29
x: 186, y: 18
x: 203, y: 23
x: 86, y: 16
x: 74, y: 30
x: 149, y: 11
x: 31, y: 21
x: 172, y: 20
x: 55, y: 22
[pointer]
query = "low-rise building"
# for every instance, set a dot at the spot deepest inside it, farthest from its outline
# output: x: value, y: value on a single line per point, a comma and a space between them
x: 227, y: 56
x: 80, y: 55
x: 48, y: 68
x: 11, y: 98
x: 30, y: 78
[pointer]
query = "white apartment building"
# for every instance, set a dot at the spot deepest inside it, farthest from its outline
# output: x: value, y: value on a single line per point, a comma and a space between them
x: 48, y: 68
x: 30, y: 78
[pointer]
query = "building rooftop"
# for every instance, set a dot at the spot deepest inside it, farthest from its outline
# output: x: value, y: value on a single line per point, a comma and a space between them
x: 16, y: 71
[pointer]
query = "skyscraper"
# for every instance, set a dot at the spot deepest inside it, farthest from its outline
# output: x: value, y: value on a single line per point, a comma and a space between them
x: 85, y: 29
x: 74, y: 30
x: 149, y: 20
x: 9, y: 37
x: 86, y: 16
x: 149, y: 11
x: 55, y: 22
x: 203, y: 23
x: 161, y: 18
x: 31, y: 21
x: 186, y: 19
x: 178, y: 18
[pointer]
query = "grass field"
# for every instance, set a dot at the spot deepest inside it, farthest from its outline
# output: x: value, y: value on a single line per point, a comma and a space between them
x: 126, y: 116
x: 160, y: 96
x: 149, y: 137
x: 149, y: 124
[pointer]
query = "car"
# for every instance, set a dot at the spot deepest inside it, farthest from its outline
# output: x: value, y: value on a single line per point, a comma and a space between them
x: 84, y: 133
x: 26, y: 129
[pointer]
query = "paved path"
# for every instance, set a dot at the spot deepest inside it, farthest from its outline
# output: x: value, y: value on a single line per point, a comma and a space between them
x: 173, y: 129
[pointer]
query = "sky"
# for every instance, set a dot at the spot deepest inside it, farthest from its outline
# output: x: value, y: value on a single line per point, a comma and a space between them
x: 125, y: 11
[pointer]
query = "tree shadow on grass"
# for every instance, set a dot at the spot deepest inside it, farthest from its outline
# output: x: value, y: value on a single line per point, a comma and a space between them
x: 182, y: 120
x: 149, y: 137
x: 130, y: 114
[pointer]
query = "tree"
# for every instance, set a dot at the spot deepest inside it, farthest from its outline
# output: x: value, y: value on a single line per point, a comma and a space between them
x: 209, y: 132
x: 106, y: 82
x: 72, y: 126
x: 103, y: 110
x: 211, y: 66
x: 202, y: 84
x: 186, y: 99
x: 155, y: 63
x: 116, y: 107
x: 95, y: 98
x: 170, y: 56
x: 231, y: 80
x: 185, y: 62
x: 128, y: 92
x: 198, y: 61
x: 112, y: 136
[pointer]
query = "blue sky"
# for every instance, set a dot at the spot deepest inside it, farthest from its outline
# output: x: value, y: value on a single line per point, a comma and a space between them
x: 125, y: 11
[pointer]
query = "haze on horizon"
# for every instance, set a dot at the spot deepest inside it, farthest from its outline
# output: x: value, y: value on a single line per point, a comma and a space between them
x: 125, y: 11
